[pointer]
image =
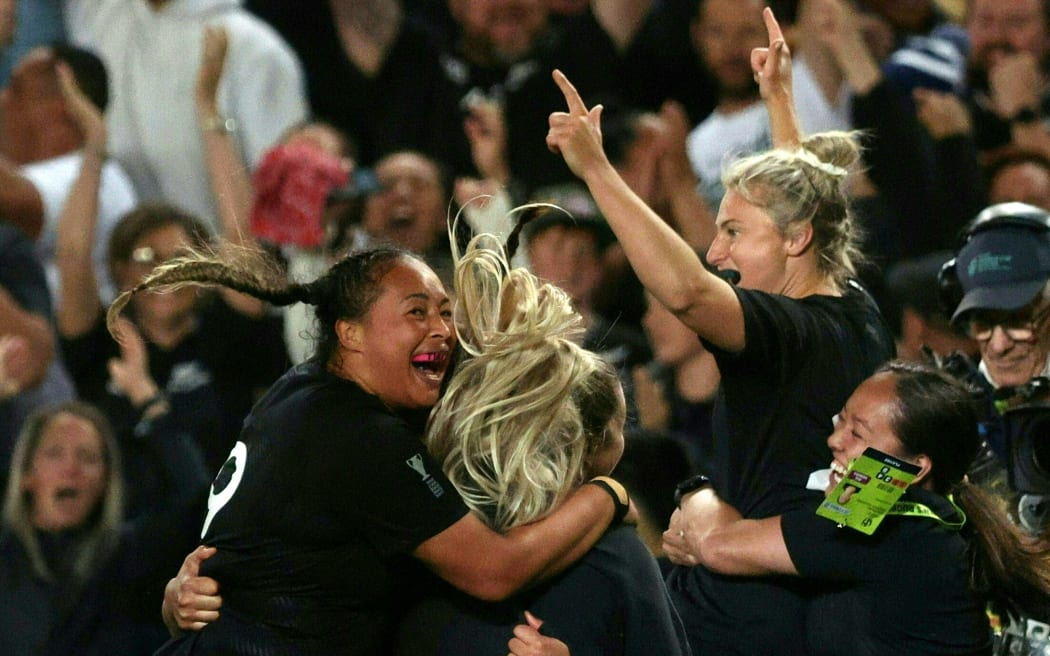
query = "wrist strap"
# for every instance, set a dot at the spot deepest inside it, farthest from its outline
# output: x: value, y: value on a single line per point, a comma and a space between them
x: 621, y: 499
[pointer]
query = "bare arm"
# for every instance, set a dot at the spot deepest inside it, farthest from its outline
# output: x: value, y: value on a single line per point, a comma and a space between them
x: 79, y: 303
x: 231, y: 183
x: 708, y: 531
x: 491, y: 566
x: 665, y: 263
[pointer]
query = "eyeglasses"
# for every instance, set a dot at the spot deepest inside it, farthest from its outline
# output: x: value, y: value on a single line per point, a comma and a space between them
x: 1019, y: 326
x: 146, y: 256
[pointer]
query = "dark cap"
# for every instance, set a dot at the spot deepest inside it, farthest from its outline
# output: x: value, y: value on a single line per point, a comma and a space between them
x: 1002, y: 268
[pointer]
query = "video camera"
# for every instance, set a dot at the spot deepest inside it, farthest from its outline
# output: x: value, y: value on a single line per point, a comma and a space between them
x: 1026, y: 432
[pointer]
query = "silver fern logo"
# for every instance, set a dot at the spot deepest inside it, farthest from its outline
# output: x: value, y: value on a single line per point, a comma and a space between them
x: 416, y: 463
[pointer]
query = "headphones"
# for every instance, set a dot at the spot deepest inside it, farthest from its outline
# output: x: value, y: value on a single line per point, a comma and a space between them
x: 1001, y: 215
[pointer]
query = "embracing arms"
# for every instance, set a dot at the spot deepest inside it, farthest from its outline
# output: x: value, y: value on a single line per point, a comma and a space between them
x: 707, y: 531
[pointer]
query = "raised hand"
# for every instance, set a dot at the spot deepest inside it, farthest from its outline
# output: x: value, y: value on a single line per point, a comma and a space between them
x: 87, y: 116
x: 191, y: 601
x: 577, y: 133
x: 528, y: 641
x: 772, y: 68
x: 772, y: 65
x: 130, y: 372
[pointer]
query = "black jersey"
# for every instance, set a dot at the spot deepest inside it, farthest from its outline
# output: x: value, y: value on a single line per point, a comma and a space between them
x: 903, y: 590
x: 802, y: 360
x: 612, y: 602
x: 324, y: 494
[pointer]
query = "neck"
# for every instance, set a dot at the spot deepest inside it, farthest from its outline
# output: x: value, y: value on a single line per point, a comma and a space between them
x: 801, y: 284
x: 734, y: 104
x: 621, y: 19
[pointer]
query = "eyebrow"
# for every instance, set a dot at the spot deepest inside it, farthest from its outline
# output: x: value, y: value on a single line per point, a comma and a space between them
x: 426, y: 297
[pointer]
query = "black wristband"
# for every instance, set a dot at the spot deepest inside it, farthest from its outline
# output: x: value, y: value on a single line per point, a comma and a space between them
x: 690, y: 484
x: 621, y: 506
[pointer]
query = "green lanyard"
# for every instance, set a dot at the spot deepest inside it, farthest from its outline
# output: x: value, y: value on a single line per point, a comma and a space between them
x: 912, y: 509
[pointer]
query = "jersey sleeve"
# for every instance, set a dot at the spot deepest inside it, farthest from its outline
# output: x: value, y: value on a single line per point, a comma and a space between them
x: 380, y: 477
x: 820, y: 549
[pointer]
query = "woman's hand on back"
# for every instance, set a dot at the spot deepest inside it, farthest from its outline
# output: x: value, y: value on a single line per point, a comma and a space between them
x: 191, y: 601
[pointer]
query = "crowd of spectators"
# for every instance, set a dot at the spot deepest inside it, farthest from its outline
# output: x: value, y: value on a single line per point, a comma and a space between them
x: 133, y: 130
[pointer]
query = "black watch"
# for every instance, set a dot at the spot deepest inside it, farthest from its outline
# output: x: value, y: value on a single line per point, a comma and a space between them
x: 1025, y: 116
x: 691, y: 484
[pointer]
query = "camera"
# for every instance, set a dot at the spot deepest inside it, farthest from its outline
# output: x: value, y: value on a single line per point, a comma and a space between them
x: 1026, y: 429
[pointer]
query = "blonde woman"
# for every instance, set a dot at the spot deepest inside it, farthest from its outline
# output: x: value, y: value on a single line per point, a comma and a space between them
x: 527, y: 418
x: 792, y: 338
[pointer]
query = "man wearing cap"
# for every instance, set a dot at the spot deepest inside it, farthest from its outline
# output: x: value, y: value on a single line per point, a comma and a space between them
x: 1003, y: 270
x: 1003, y: 273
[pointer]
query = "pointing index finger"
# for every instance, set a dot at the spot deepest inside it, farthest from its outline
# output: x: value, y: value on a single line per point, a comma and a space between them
x: 572, y: 97
x: 772, y: 26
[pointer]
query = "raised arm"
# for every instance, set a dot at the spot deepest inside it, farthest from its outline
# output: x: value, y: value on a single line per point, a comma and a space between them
x: 772, y: 68
x: 665, y: 263
x: 79, y: 303
x: 493, y: 566
x: 231, y: 183
x: 708, y: 531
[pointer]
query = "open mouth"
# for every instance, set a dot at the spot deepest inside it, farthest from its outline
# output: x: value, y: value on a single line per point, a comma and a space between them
x: 838, y: 472
x: 66, y: 493
x: 432, y: 365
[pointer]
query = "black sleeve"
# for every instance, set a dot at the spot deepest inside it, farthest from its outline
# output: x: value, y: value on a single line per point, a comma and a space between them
x: 381, y: 479
x: 777, y: 333
x: 820, y: 549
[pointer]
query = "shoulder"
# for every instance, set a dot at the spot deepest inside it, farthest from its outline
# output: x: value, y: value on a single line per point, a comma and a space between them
x: 253, y: 39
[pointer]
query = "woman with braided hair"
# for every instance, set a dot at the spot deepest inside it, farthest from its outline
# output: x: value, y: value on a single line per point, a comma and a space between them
x: 527, y: 417
x: 329, y: 493
x: 792, y: 339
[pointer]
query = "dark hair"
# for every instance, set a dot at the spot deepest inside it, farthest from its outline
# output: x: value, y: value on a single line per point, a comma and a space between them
x: 938, y: 416
x: 346, y: 291
x: 88, y: 71
x: 148, y: 217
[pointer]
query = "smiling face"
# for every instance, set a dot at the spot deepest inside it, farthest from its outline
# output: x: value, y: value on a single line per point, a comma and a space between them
x: 1014, y: 345
x: 865, y: 421
x: 67, y: 473
x: 748, y: 241
x: 409, y: 208
x: 998, y: 28
x: 154, y: 248
x: 399, y: 351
